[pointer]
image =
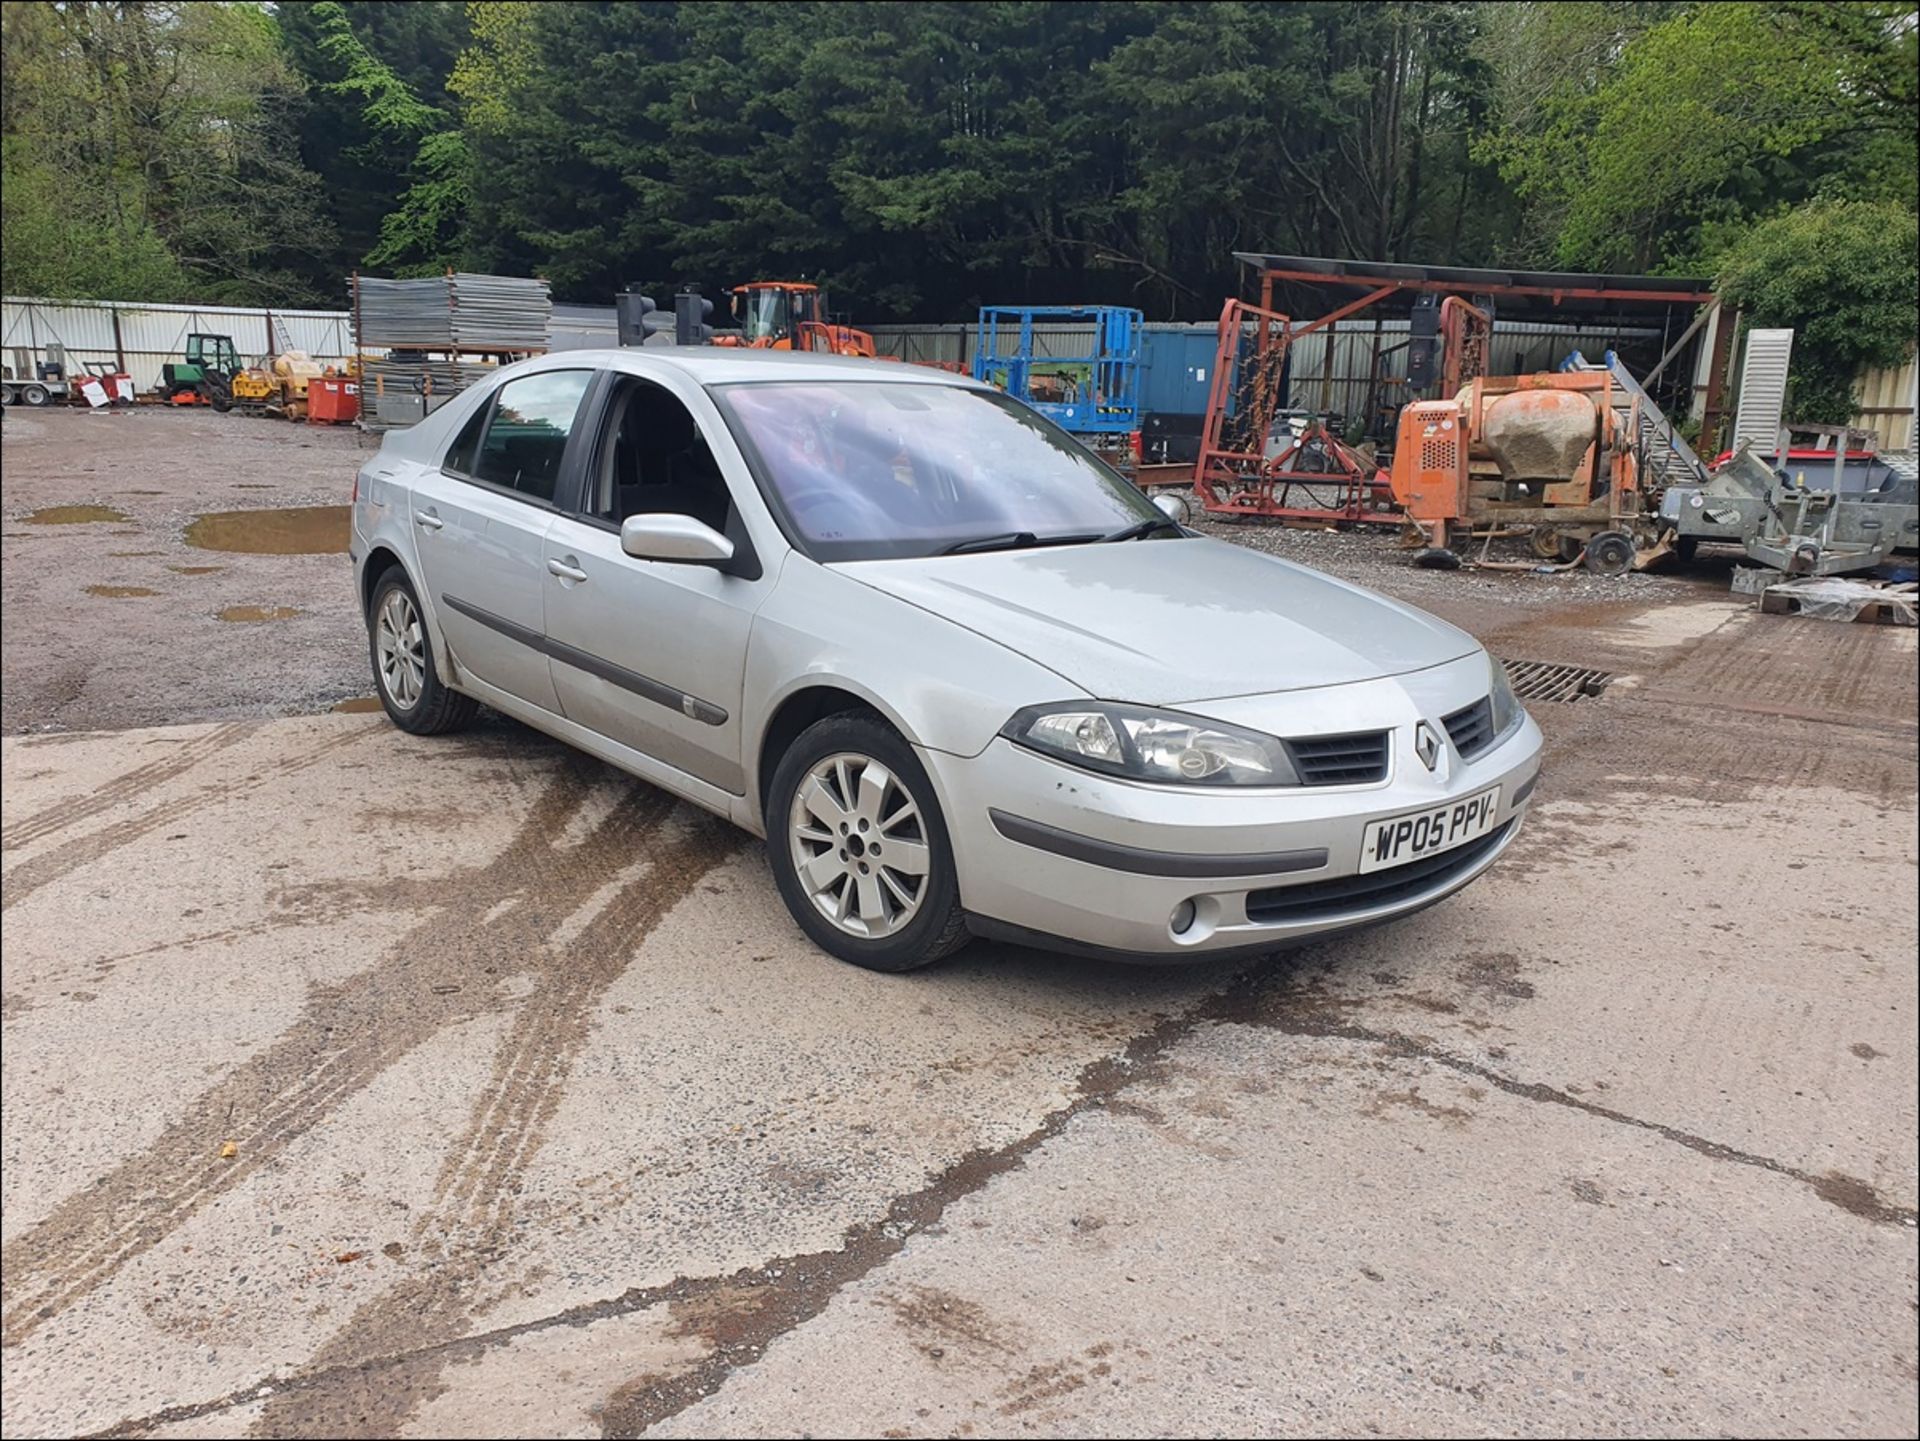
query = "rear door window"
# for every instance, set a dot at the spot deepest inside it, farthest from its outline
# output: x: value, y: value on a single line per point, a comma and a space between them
x: 526, y: 436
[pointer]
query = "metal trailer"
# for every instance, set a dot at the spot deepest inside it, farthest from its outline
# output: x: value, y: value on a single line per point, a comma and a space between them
x: 35, y: 382
x: 1095, y: 395
x: 1825, y: 510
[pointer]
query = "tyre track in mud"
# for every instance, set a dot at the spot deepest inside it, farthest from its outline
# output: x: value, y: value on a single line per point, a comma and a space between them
x: 446, y: 969
x: 125, y: 787
x: 36, y: 872
x: 468, y: 1230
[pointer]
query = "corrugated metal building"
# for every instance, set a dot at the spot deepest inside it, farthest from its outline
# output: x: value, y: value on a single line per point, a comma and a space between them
x: 1177, y: 358
x: 139, y: 339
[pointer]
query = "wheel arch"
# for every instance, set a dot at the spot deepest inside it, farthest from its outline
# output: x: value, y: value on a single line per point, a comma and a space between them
x: 811, y: 701
x: 383, y: 557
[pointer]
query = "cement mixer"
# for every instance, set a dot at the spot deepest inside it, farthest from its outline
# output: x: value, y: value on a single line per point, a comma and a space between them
x: 1549, y: 455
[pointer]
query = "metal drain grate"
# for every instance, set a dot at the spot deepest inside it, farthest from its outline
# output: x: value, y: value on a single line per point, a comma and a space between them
x: 1544, y: 681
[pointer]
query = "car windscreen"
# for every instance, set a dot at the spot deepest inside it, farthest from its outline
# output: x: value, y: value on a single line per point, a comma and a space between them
x: 871, y: 470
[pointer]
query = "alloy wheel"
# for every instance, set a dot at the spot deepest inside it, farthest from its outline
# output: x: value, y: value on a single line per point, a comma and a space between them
x: 402, y: 647
x: 859, y: 846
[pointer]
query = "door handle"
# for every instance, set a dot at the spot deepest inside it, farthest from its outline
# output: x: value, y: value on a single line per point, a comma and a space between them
x: 427, y: 520
x: 566, y: 571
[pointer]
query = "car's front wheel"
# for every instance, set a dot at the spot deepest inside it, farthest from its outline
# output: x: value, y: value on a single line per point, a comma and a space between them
x: 415, y: 697
x: 859, y: 848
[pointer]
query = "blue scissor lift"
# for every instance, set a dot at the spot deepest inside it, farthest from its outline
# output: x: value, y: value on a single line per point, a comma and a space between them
x: 1093, y: 395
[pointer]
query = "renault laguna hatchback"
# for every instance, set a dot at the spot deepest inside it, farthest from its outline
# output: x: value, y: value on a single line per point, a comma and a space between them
x: 962, y: 677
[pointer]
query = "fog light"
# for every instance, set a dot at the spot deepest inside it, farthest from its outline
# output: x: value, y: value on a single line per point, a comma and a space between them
x: 1182, y: 917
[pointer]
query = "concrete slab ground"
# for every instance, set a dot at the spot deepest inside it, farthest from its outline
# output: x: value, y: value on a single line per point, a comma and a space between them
x: 363, y: 1085
x: 358, y: 1084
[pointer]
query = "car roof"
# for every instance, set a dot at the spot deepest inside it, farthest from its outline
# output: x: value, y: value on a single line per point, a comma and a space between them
x: 720, y: 365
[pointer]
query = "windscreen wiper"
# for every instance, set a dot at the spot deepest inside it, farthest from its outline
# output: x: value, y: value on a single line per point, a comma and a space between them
x: 1017, y: 540
x: 1145, y: 527
x: 1010, y: 540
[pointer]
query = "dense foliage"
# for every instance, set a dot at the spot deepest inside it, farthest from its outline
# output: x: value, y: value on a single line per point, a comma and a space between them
x: 1844, y: 274
x: 923, y: 158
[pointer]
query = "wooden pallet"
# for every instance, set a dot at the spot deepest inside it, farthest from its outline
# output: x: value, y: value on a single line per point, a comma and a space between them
x: 1841, y: 598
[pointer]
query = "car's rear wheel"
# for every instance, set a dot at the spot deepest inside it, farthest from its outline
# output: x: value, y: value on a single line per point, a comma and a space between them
x: 859, y: 848
x: 410, y: 688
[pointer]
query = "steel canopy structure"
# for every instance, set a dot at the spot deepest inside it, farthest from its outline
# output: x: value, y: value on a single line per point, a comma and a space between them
x: 1523, y: 294
x: 1452, y: 311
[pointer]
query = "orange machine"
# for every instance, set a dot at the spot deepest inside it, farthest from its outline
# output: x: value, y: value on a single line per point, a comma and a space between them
x: 1551, y: 453
x: 791, y: 315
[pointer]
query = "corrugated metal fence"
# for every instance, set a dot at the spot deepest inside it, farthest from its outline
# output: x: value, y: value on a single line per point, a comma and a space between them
x: 1888, y: 399
x: 139, y: 339
x: 1329, y: 372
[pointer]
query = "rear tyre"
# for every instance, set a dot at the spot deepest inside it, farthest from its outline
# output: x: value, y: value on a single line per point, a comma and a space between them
x: 409, y: 687
x: 859, y: 848
x: 34, y: 395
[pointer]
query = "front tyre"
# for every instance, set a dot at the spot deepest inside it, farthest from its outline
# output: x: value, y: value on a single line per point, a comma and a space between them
x: 859, y: 848
x: 410, y: 688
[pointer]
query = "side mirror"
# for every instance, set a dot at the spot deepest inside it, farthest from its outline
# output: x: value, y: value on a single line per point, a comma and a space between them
x: 1173, y: 507
x: 675, y: 538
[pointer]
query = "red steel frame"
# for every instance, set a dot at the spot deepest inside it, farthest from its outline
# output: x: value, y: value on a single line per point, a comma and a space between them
x: 1466, y: 338
x: 1233, y: 480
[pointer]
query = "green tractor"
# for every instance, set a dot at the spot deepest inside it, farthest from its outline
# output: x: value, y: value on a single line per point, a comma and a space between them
x: 204, y: 376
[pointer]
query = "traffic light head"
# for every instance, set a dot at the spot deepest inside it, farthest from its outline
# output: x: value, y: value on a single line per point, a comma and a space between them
x: 636, y: 317
x: 692, y: 317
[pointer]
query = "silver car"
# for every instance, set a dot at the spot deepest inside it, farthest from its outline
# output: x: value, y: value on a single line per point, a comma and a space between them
x: 964, y: 679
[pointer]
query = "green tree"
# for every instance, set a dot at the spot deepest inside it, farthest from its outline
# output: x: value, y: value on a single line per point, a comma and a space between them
x: 147, y: 154
x: 1844, y: 275
x: 362, y: 170
x: 923, y: 159
x: 1660, y: 122
x: 421, y: 233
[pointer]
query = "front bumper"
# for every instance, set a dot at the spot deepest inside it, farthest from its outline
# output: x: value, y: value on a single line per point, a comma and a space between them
x: 1048, y: 852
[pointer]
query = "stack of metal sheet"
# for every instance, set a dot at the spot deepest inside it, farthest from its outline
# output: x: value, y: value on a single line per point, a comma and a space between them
x: 441, y: 335
x: 460, y: 312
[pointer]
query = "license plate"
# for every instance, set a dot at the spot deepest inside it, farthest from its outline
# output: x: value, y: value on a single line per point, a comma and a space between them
x: 1399, y: 839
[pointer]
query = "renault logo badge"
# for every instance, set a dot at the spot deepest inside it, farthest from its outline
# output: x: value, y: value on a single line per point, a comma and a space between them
x: 1426, y: 745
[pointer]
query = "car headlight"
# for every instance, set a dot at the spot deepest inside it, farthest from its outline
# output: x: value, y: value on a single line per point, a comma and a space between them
x: 1152, y: 745
x: 1507, y: 711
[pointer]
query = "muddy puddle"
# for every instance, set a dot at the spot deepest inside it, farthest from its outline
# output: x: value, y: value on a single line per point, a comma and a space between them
x: 120, y: 592
x: 258, y: 612
x: 78, y: 515
x: 297, y: 530
x: 193, y: 569
x: 359, y: 705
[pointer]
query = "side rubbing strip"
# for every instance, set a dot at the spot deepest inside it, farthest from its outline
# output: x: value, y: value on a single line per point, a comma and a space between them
x: 1142, y: 862
x: 643, y: 686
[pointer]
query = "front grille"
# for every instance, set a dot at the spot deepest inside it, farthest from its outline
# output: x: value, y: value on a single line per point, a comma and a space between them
x: 1318, y: 900
x: 1471, y: 727
x: 1340, y: 760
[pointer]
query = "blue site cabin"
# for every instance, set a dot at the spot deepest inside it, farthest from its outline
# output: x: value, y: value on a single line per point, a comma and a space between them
x: 1094, y: 394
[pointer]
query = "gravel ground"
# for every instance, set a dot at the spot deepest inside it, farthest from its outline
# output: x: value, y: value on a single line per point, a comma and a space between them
x: 122, y: 621
x: 118, y: 622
